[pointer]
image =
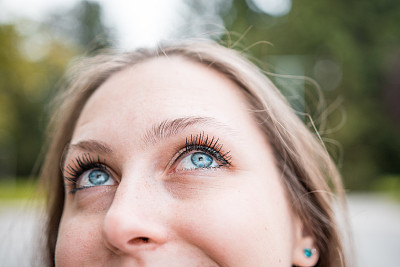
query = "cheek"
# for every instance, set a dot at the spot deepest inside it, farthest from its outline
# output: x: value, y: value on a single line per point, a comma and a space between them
x: 246, y: 227
x: 79, y: 242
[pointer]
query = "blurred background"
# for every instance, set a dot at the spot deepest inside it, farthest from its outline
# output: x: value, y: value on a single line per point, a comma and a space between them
x: 348, y: 51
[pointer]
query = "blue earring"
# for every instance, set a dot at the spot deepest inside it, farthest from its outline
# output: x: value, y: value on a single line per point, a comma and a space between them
x: 309, y: 252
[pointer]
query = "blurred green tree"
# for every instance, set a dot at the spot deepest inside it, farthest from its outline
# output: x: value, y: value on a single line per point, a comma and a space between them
x: 33, y: 58
x: 25, y: 85
x: 83, y: 25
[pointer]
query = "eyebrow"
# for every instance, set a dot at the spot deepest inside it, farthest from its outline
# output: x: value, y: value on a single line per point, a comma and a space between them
x: 155, y: 134
x: 92, y: 146
x: 169, y: 128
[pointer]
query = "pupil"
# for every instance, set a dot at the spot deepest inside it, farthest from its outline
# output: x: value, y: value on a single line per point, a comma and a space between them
x: 98, y: 177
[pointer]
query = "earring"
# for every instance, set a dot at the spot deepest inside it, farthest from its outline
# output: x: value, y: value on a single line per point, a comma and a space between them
x: 309, y: 252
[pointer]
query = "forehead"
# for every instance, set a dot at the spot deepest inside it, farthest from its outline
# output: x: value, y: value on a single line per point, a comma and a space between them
x: 164, y: 88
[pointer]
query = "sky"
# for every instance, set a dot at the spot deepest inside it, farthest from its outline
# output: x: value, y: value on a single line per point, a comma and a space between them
x: 130, y: 18
x: 152, y: 20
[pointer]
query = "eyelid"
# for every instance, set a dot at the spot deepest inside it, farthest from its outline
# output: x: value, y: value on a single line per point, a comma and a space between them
x: 202, y: 143
x: 81, y: 164
x: 87, y: 173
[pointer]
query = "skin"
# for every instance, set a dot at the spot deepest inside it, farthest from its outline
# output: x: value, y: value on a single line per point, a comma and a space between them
x: 153, y: 211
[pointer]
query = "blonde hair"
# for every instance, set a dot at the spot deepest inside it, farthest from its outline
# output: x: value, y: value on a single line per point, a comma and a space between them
x: 308, y: 173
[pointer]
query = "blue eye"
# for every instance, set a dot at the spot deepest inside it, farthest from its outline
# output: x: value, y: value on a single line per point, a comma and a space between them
x: 98, y: 177
x: 95, y: 177
x: 197, y: 160
x: 201, y: 160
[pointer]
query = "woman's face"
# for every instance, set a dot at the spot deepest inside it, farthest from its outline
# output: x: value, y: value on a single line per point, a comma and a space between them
x: 167, y: 167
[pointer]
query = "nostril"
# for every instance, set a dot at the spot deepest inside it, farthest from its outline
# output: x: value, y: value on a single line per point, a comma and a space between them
x: 139, y: 240
x: 145, y: 239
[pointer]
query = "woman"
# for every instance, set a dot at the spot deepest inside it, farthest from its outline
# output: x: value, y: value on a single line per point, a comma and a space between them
x: 185, y: 156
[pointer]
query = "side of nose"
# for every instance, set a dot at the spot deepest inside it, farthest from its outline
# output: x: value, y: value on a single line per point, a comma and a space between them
x: 133, y: 224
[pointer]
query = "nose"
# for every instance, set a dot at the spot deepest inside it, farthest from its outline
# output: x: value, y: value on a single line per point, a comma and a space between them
x: 133, y: 223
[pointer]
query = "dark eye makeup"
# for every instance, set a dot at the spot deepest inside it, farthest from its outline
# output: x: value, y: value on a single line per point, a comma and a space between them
x: 81, y: 164
x: 209, y: 146
x: 200, y: 143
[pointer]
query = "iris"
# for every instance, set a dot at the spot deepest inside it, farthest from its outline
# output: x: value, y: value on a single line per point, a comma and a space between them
x: 98, y: 177
x: 201, y: 160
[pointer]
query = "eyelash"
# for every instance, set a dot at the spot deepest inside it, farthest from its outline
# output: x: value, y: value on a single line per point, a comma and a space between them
x: 82, y: 164
x: 201, y: 142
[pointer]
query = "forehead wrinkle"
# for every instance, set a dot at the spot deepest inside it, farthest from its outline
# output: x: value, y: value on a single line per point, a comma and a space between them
x: 168, y: 128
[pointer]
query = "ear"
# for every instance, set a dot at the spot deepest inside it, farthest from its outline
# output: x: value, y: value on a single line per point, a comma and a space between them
x: 305, y: 253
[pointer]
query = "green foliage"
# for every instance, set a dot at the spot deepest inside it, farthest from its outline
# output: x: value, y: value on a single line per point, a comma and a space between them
x: 33, y: 58
x: 25, y: 86
x: 83, y: 26
x: 17, y: 189
x: 389, y: 184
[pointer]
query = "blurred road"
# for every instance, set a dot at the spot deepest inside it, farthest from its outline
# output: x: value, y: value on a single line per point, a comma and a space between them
x: 375, y: 221
x: 18, y: 228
